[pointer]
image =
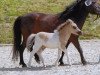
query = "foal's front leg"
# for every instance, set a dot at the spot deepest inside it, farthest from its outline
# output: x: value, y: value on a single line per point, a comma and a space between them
x: 66, y: 52
x: 59, y: 54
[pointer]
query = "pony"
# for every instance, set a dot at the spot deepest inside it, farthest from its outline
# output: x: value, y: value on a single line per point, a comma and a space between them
x: 58, y: 39
x: 36, y: 22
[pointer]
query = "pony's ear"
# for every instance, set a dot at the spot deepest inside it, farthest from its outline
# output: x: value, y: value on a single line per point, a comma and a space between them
x: 88, y: 2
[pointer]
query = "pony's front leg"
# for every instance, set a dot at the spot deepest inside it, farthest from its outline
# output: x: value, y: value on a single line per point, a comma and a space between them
x: 59, y: 54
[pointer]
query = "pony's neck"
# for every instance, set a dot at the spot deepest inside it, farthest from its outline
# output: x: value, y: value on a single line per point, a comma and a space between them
x: 78, y: 14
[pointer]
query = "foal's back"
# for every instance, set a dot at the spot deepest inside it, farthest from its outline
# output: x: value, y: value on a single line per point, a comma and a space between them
x: 50, y: 40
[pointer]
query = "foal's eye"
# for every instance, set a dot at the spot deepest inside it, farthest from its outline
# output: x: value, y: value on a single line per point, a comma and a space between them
x: 74, y: 27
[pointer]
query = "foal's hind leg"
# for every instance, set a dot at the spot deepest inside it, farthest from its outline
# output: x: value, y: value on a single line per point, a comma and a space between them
x: 35, y: 50
x: 40, y: 56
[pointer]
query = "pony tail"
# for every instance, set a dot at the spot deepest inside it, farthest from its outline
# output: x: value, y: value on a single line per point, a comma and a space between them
x: 16, y: 38
x: 30, y: 42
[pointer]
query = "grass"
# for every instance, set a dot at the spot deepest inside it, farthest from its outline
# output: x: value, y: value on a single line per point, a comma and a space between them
x: 10, y: 9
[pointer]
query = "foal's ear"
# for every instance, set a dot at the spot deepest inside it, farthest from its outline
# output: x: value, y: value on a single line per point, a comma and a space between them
x: 68, y: 21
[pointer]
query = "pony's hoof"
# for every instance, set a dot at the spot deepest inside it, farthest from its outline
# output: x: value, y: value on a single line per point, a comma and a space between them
x: 23, y: 65
x: 61, y: 64
x: 38, y: 62
x: 84, y: 63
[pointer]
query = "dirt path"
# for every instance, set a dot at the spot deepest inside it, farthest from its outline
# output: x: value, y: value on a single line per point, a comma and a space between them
x: 91, y: 49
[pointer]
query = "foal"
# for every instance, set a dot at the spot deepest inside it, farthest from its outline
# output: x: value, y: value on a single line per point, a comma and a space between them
x: 58, y: 39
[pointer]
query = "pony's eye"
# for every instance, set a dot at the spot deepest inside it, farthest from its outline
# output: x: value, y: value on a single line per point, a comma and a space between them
x: 74, y: 27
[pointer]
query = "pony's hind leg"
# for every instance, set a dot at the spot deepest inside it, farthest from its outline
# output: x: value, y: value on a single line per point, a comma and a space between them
x: 22, y: 47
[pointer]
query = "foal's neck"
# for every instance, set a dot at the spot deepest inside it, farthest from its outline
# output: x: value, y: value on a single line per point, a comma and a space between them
x: 64, y: 36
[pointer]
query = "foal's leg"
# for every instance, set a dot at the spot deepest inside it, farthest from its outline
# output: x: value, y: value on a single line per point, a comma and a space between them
x: 61, y: 59
x: 40, y: 56
x: 77, y: 45
x: 59, y: 55
x: 36, y: 49
x: 66, y: 52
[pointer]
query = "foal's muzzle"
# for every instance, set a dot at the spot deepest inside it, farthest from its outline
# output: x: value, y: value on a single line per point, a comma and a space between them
x: 79, y: 32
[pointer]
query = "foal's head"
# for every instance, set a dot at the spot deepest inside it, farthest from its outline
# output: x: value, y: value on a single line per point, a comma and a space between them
x: 69, y: 26
x: 72, y: 27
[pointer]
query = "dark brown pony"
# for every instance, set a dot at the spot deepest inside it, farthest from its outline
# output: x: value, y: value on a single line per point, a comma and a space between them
x: 36, y: 22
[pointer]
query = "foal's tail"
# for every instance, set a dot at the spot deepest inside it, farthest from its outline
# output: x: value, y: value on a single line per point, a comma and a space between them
x: 16, y: 38
x: 30, y: 42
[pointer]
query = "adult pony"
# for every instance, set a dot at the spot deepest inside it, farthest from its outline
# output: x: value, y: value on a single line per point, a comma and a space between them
x: 59, y: 38
x: 36, y: 22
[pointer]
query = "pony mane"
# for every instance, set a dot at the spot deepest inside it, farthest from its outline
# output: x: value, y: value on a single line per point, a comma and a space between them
x: 67, y: 12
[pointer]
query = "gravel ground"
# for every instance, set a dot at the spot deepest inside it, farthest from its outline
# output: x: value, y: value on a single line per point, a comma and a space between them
x: 91, y: 49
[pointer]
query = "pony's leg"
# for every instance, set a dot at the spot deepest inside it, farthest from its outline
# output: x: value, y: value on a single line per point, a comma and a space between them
x: 61, y: 59
x: 37, y: 59
x: 77, y: 45
x: 59, y: 54
x: 22, y: 47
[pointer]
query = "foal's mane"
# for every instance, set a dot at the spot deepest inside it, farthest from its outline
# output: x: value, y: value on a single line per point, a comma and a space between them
x: 68, y: 22
x: 61, y: 26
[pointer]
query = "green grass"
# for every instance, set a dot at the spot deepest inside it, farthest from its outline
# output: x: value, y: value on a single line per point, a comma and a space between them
x: 10, y: 9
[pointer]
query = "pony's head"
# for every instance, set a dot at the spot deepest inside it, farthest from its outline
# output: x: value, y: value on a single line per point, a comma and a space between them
x: 79, y: 7
x: 72, y: 27
x: 92, y: 6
